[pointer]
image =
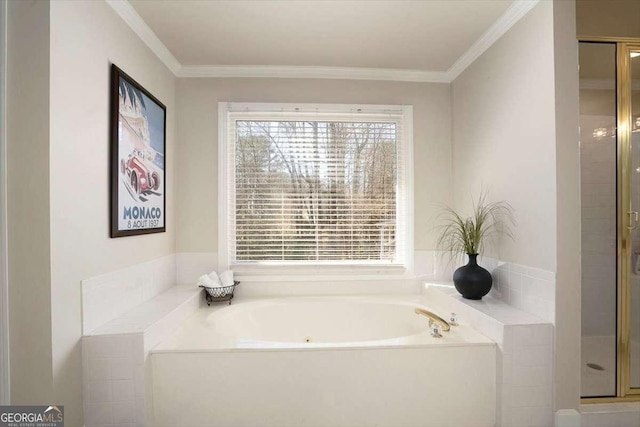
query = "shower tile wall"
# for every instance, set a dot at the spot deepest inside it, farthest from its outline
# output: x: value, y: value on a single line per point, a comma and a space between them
x: 598, y: 195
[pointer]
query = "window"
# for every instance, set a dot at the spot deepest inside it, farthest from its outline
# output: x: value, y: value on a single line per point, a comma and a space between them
x: 314, y: 184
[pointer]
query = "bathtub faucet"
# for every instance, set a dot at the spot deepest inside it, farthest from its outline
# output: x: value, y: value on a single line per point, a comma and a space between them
x: 434, y: 318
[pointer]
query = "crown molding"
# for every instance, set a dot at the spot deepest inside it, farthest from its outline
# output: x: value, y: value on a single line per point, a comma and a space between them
x: 517, y: 10
x: 137, y: 24
x: 512, y: 15
x: 312, y: 72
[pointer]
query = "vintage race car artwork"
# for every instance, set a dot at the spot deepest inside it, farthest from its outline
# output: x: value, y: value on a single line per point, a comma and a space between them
x: 138, y: 159
x: 141, y: 176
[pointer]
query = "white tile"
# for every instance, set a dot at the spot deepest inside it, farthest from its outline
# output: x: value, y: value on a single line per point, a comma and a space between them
x: 137, y: 349
x: 505, y: 292
x: 544, y: 290
x: 551, y: 314
x: 97, y: 414
x: 515, y: 281
x: 541, y: 274
x: 533, y: 356
x: 612, y: 419
x: 517, y: 299
x: 531, y: 305
x: 507, y: 407
x: 98, y: 369
x: 542, y: 417
x: 517, y: 268
x: 496, y: 291
x: 138, y: 381
x: 533, y: 417
x: 499, y: 403
x: 108, y: 347
x: 532, y: 375
x: 123, y: 391
x: 107, y: 296
x: 140, y: 412
x: 100, y: 391
x: 97, y: 347
x: 505, y: 376
x: 122, y: 368
x: 425, y: 264
x: 524, y: 336
x: 124, y: 412
x: 520, y: 419
x: 525, y: 396
x: 528, y: 285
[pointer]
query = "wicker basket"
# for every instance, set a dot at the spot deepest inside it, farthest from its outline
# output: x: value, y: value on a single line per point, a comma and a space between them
x: 219, y: 293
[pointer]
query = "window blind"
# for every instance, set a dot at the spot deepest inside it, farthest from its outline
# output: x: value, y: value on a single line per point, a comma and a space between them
x: 313, y: 188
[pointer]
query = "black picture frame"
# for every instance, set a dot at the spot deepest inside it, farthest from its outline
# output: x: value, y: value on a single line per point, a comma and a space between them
x: 138, y: 135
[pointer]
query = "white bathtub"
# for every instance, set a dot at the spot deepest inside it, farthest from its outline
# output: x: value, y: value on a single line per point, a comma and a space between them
x: 322, y: 361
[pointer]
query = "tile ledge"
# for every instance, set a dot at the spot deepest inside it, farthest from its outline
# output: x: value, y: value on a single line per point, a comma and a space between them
x: 599, y: 408
x: 142, y: 317
x: 488, y: 306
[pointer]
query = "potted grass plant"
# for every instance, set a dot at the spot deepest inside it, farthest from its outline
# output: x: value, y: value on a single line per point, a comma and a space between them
x: 461, y: 235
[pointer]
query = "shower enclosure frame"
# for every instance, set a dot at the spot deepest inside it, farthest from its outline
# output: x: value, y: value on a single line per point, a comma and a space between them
x: 627, y: 219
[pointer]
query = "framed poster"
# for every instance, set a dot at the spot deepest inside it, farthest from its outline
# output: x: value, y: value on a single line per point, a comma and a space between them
x: 138, y: 147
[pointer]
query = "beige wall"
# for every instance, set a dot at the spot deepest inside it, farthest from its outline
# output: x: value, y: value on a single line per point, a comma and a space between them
x: 608, y: 18
x: 197, y: 155
x: 515, y: 115
x: 85, y: 38
x: 28, y: 202
x: 568, y: 239
x: 504, y: 135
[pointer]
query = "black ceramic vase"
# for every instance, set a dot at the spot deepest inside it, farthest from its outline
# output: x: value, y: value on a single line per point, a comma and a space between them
x: 471, y: 280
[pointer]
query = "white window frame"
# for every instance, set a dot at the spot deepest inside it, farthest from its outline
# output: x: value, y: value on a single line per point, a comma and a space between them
x: 295, y: 271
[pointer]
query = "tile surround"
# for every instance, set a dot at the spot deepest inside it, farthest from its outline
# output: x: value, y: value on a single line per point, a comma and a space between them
x: 109, y: 382
x: 109, y: 295
x: 114, y: 361
x: 125, y: 313
x: 610, y: 415
x: 529, y: 289
x: 114, y: 356
x: 525, y: 354
x: 147, y: 316
x: 526, y: 288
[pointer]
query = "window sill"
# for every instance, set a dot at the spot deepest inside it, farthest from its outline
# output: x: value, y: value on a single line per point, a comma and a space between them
x: 315, y: 272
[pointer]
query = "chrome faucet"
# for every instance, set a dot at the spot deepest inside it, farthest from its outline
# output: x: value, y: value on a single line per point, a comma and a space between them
x: 434, y: 318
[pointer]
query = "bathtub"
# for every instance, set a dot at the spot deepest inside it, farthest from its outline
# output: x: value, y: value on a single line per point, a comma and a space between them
x: 322, y: 361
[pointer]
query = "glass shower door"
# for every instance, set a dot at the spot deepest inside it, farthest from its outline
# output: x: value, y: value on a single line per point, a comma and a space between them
x: 598, y: 169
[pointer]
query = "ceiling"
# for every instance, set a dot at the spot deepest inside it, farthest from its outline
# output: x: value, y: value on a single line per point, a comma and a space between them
x: 427, y: 35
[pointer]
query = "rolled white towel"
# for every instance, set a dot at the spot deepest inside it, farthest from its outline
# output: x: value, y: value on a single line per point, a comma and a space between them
x: 227, y: 278
x: 215, y: 279
x: 206, y: 281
